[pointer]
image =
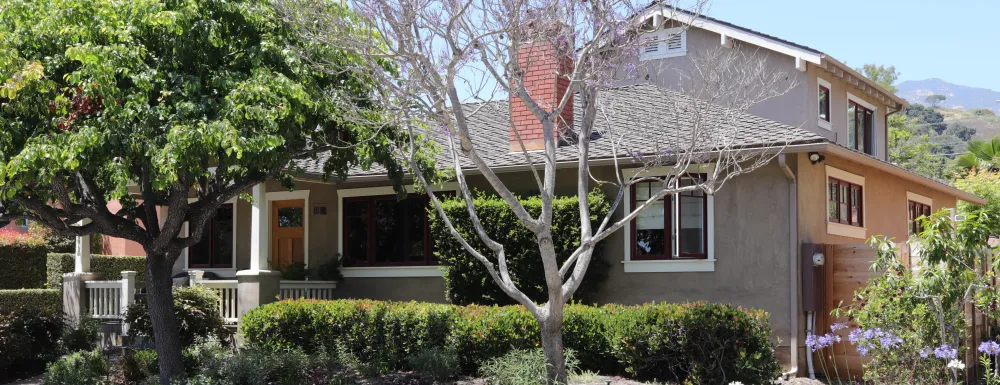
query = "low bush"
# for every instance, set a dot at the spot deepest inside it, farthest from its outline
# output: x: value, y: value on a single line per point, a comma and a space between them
x: 80, y: 368
x: 467, y: 282
x: 43, y: 300
x: 436, y: 364
x: 29, y: 338
x: 196, y: 310
x: 23, y: 259
x: 107, y: 266
x: 82, y: 335
x: 695, y: 342
x: 522, y: 367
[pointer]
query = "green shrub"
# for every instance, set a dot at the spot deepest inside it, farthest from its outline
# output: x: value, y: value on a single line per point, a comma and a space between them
x: 522, y: 367
x: 82, y: 336
x: 295, y: 271
x: 467, y: 281
x: 694, y: 342
x: 23, y: 259
x: 330, y: 270
x: 437, y: 364
x: 43, y: 300
x: 29, y: 337
x: 80, y: 368
x: 137, y: 366
x: 196, y: 310
x: 109, y: 267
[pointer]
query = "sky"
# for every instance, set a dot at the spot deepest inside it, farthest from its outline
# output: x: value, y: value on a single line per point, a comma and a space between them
x: 957, y: 41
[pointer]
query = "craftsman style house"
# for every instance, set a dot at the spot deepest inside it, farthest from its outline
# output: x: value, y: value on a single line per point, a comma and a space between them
x: 829, y: 190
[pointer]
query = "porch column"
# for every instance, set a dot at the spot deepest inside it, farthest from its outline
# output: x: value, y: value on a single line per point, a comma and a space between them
x: 73, y: 287
x: 258, y: 285
x: 81, y: 257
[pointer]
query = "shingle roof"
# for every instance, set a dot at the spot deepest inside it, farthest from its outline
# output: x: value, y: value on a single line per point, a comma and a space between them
x: 643, y: 119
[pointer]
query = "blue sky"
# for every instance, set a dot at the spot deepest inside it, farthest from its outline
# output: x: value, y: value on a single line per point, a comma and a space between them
x: 957, y: 40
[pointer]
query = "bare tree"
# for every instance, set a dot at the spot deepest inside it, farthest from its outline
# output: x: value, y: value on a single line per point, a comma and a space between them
x: 436, y: 61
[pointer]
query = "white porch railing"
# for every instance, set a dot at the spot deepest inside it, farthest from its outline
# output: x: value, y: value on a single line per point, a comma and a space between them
x: 110, y: 299
x: 322, y: 290
x: 228, y: 293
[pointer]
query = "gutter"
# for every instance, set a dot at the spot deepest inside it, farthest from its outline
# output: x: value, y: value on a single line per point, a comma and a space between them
x: 793, y: 267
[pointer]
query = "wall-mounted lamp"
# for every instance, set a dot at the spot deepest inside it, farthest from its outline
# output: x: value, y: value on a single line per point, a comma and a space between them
x: 818, y: 259
x: 816, y: 157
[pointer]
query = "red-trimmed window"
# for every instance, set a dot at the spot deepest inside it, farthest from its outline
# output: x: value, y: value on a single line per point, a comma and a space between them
x: 860, y: 128
x: 384, y: 231
x: 824, y: 103
x: 917, y: 210
x: 846, y: 203
x: 215, y: 250
x: 674, y: 227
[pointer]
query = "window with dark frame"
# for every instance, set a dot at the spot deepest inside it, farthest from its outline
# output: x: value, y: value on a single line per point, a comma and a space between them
x: 916, y: 210
x: 824, y: 103
x: 215, y: 249
x: 845, y: 204
x: 674, y: 227
x: 860, y: 128
x: 384, y: 231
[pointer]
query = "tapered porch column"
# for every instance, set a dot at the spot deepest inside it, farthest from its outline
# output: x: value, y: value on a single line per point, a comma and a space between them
x: 74, y: 291
x: 258, y: 285
x: 81, y: 257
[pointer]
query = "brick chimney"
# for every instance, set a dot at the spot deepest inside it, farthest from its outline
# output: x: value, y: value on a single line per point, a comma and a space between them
x: 543, y: 66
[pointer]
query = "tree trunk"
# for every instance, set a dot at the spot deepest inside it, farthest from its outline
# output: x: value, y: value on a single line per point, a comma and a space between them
x: 161, y: 314
x: 552, y: 345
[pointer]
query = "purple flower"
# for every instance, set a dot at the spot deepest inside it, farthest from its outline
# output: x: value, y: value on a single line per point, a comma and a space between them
x: 863, y: 349
x: 946, y: 352
x: 855, y: 336
x: 838, y: 326
x: 990, y: 348
x: 925, y: 352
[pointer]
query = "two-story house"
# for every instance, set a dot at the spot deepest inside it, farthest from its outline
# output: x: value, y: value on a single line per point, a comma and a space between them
x: 831, y: 185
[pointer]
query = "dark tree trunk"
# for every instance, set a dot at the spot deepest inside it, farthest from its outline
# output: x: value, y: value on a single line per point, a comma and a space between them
x: 552, y: 345
x: 161, y: 313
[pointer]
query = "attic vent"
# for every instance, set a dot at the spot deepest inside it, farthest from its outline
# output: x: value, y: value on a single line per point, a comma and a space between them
x: 671, y: 42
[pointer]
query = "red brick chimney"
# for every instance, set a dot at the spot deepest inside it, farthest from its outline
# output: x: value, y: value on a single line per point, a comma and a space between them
x: 544, y: 68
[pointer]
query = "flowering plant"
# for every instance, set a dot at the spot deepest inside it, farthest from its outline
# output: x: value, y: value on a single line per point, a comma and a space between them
x: 990, y: 350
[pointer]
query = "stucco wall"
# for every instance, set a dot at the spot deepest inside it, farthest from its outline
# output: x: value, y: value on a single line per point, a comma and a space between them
x: 885, y: 201
x: 838, y: 110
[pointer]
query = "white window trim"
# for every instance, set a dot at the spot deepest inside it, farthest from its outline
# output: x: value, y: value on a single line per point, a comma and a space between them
x: 875, y: 128
x: 225, y: 270
x: 381, y: 271
x: 819, y: 121
x: 306, y: 213
x: 841, y: 229
x: 667, y: 53
x: 674, y: 265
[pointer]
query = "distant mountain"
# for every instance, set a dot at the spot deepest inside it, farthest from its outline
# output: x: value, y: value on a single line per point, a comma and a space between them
x: 961, y: 97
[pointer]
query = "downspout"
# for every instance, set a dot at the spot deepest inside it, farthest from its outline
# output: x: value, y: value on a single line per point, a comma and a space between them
x: 793, y: 258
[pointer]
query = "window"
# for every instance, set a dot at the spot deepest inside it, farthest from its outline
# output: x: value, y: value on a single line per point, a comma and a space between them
x: 675, y: 227
x: 670, y: 42
x: 215, y: 249
x: 860, y: 128
x: 23, y: 223
x: 384, y: 231
x: 824, y: 103
x: 845, y: 203
x: 916, y: 210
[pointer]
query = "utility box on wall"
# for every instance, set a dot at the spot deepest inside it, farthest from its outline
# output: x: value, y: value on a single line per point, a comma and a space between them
x: 813, y: 267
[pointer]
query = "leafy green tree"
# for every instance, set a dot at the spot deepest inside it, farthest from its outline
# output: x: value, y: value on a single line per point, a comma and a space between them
x: 985, y: 184
x: 984, y: 154
x: 913, y: 151
x: 148, y: 102
x: 884, y: 76
x: 982, y: 112
x: 961, y: 131
x: 926, y: 118
x: 935, y: 99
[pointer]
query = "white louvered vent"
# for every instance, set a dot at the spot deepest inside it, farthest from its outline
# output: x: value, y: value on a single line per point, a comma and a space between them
x: 663, y: 44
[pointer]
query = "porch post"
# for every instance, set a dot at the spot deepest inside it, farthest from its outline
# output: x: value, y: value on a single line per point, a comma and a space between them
x: 73, y: 284
x: 128, y: 295
x: 258, y: 285
x: 81, y: 256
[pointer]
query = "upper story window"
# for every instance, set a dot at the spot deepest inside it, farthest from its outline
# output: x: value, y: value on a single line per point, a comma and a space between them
x: 823, y: 99
x: 384, y: 231
x: 675, y: 227
x: 845, y: 203
x: 861, y: 134
x: 669, y: 42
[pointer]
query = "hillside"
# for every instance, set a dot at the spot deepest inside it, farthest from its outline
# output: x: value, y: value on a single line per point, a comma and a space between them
x: 986, y: 127
x: 959, y: 96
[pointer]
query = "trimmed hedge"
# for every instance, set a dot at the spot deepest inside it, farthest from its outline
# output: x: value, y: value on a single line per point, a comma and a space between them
x: 109, y: 266
x: 467, y: 281
x: 29, y: 338
x: 691, y: 342
x: 47, y: 301
x: 23, y: 259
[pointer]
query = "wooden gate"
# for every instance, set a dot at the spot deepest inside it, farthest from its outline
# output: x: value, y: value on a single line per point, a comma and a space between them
x: 848, y: 268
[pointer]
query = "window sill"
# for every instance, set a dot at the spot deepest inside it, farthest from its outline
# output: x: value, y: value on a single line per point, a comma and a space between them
x: 824, y: 124
x: 849, y: 231
x: 391, y: 271
x: 671, y: 266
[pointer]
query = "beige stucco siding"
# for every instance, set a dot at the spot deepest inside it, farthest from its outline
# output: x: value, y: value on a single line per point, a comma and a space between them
x: 885, y: 200
x: 838, y: 110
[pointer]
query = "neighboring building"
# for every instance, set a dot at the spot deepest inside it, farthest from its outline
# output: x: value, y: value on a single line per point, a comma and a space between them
x: 830, y: 186
x: 20, y: 226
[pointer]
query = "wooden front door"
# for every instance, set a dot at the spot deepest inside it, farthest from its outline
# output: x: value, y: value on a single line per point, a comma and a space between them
x: 288, y: 224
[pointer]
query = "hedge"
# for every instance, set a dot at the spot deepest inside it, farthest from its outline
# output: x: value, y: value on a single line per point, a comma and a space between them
x: 468, y: 282
x: 23, y: 259
x: 29, y: 336
x: 691, y: 342
x: 109, y: 266
x: 44, y: 300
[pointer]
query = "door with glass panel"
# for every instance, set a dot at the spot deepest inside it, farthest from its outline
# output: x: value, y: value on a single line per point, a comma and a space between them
x: 287, y: 232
